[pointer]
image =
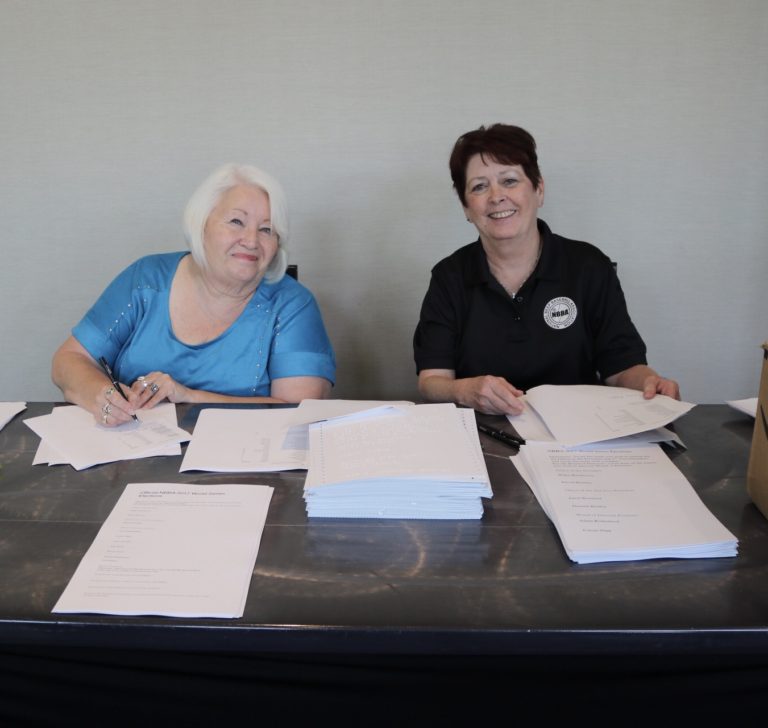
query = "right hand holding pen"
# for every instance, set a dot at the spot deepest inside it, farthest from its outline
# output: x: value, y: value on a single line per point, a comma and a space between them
x: 490, y: 395
x: 110, y: 409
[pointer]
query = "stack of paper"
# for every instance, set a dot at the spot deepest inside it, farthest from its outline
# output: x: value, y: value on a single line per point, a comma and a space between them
x: 172, y: 549
x: 621, y: 504
x: 71, y: 435
x: 423, y: 461
x: 8, y: 410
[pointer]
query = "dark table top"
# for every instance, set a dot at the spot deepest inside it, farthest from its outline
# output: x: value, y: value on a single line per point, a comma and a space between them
x: 499, y: 586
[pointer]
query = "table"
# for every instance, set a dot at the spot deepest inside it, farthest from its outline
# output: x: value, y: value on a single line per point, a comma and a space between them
x: 345, y: 613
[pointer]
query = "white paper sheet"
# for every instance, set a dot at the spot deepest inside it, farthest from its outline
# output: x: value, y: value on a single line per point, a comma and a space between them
x: 531, y: 428
x: 172, y: 549
x: 8, y: 410
x: 81, y: 441
x: 317, y: 410
x: 529, y: 425
x: 747, y: 406
x: 582, y: 413
x: 246, y: 441
x: 616, y: 505
x: 165, y: 412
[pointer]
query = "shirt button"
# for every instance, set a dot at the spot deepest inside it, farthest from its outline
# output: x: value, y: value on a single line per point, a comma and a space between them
x: 519, y: 299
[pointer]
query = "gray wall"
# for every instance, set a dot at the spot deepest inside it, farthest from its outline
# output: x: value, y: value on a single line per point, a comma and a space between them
x: 651, y: 118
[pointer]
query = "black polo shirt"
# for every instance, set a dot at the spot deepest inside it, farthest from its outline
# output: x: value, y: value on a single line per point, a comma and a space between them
x: 568, y: 323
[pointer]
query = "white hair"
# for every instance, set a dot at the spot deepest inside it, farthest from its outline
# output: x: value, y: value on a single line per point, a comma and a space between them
x: 209, y: 194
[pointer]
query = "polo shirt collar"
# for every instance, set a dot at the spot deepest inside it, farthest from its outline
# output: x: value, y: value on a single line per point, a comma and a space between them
x: 550, y: 265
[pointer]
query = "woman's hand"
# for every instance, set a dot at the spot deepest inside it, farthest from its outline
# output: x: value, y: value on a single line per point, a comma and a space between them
x: 487, y: 394
x: 655, y: 384
x: 649, y: 382
x: 110, y: 409
x: 82, y: 381
x: 155, y: 387
x: 490, y: 395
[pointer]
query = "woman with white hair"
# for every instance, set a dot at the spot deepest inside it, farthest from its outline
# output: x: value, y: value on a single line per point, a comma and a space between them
x: 222, y: 324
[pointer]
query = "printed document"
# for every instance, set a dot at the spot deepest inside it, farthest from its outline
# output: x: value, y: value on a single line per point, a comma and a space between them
x: 246, y: 440
x: 172, y: 549
x: 165, y: 412
x: 621, y: 504
x: 81, y: 441
x: 583, y: 413
x: 529, y: 425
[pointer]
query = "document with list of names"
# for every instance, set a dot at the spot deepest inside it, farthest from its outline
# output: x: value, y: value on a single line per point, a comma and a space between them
x: 172, y: 549
x: 621, y: 505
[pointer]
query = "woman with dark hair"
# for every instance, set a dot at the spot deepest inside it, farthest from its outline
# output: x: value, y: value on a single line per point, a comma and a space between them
x: 521, y: 306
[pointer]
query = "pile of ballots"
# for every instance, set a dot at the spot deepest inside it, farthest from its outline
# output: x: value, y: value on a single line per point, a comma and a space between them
x: 422, y: 461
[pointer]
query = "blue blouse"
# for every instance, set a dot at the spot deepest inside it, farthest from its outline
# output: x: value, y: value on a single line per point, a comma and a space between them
x: 279, y: 334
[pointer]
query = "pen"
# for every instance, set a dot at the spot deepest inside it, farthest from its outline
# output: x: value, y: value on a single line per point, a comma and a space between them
x: 114, y: 381
x: 501, y: 436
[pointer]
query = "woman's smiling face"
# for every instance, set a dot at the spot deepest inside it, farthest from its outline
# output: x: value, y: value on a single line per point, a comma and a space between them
x: 502, y: 202
x: 239, y: 240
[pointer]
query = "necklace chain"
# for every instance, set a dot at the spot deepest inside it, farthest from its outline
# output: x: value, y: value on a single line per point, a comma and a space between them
x: 530, y: 272
x: 513, y: 294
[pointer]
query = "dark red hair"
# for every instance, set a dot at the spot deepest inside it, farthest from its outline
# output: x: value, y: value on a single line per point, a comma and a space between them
x: 502, y: 143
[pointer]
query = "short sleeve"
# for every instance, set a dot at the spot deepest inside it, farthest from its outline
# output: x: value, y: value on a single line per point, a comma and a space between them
x: 109, y: 323
x: 300, y: 347
x: 618, y: 345
x: 437, y: 335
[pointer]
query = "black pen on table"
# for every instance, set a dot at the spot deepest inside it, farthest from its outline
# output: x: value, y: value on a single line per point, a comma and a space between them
x: 501, y: 436
x: 108, y: 370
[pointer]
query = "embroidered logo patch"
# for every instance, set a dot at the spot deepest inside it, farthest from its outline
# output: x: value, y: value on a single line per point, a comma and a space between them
x: 560, y: 313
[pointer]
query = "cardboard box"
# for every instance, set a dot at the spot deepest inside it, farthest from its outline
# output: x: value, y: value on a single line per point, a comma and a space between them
x: 757, y: 473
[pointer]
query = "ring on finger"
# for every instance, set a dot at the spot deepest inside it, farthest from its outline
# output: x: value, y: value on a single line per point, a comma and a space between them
x: 153, y: 388
x: 110, y: 391
x: 104, y: 418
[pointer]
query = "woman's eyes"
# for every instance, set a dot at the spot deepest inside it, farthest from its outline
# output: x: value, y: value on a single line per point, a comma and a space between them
x: 265, y: 229
x: 483, y: 186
